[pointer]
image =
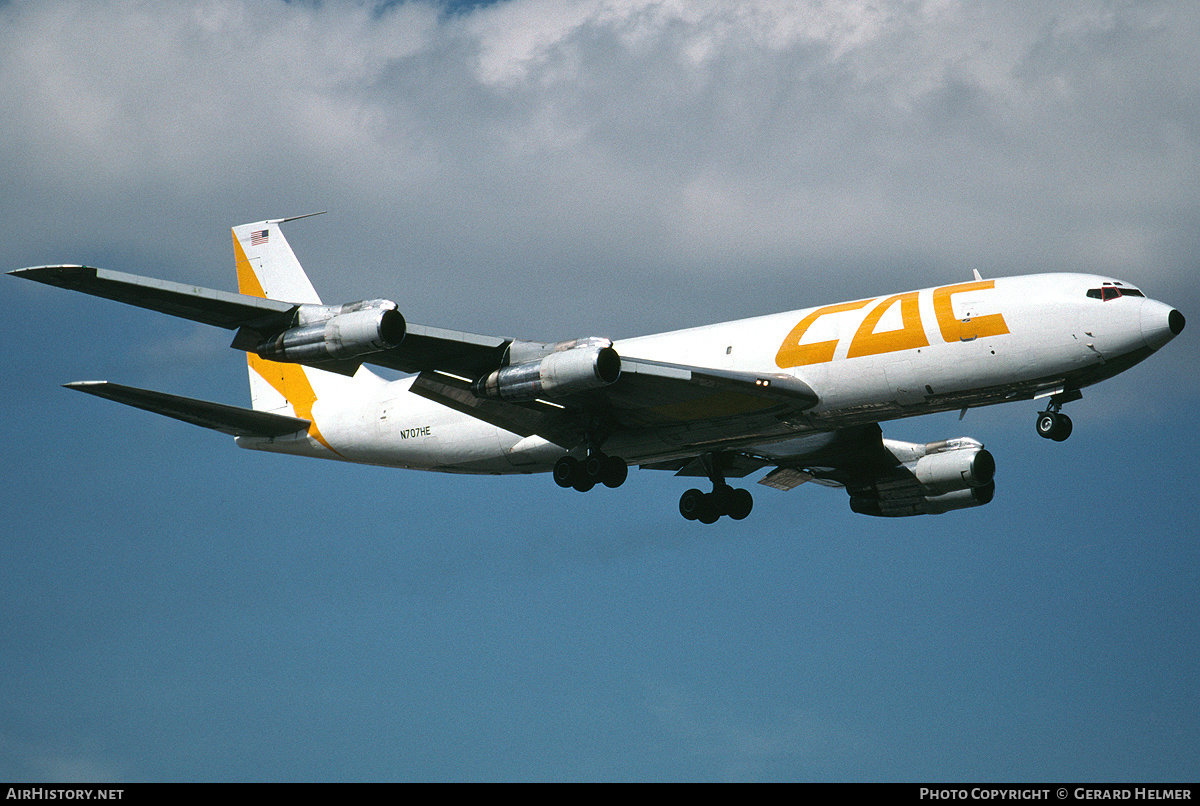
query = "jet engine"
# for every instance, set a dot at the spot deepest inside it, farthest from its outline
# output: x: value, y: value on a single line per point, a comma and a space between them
x: 955, y: 469
x: 932, y: 479
x: 569, y: 367
x: 337, y: 332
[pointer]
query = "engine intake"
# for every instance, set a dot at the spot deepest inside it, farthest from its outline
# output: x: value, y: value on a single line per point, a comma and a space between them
x: 335, y: 333
x: 574, y: 366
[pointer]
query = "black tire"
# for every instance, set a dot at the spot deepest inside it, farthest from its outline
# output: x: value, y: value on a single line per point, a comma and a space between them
x: 593, y: 466
x: 564, y: 471
x: 722, y: 499
x: 613, y: 471
x: 1047, y: 422
x: 710, y: 510
x: 741, y: 504
x: 690, y: 504
x: 1063, y: 428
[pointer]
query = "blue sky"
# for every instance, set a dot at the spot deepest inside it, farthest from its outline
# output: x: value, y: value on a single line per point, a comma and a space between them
x: 177, y: 609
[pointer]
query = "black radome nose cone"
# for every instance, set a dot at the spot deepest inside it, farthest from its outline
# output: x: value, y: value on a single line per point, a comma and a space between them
x: 1175, y: 321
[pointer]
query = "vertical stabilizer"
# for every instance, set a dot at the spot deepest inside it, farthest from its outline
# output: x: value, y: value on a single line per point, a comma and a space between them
x: 267, y: 267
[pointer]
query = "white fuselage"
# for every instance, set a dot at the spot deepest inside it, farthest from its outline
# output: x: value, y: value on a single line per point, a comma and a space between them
x: 968, y: 344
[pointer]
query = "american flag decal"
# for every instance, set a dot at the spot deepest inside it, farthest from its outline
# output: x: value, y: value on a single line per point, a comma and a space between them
x: 258, y: 238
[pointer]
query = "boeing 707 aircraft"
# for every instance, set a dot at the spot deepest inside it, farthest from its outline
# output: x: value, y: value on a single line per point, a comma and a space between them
x: 801, y: 393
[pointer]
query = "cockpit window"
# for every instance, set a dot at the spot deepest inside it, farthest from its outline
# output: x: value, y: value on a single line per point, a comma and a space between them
x: 1109, y: 291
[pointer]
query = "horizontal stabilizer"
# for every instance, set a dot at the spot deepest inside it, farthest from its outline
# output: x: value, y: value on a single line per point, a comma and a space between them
x: 237, y: 422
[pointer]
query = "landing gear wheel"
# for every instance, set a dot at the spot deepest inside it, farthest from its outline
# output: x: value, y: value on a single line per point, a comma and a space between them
x: 690, y: 504
x: 741, y: 502
x: 709, y: 513
x: 593, y: 465
x: 613, y: 471
x: 1064, y: 428
x: 721, y: 499
x: 1053, y: 425
x: 565, y: 470
x: 709, y: 507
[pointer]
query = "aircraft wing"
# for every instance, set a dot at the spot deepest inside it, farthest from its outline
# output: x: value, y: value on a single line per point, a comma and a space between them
x: 254, y: 317
x: 433, y: 348
x: 846, y: 457
x: 219, y: 308
x: 648, y: 394
x: 652, y: 393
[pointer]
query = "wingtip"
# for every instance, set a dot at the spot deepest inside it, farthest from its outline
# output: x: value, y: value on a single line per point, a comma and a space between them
x: 48, y: 274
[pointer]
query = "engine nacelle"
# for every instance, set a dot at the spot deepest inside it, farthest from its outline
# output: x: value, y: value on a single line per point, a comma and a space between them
x: 933, y: 478
x: 960, y: 499
x: 582, y: 365
x: 923, y: 504
x: 955, y: 470
x: 335, y: 333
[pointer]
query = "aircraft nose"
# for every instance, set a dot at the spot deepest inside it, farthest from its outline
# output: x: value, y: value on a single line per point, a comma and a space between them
x: 1160, y: 323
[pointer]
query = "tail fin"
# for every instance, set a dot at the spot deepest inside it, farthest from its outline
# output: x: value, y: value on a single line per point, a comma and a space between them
x: 267, y: 267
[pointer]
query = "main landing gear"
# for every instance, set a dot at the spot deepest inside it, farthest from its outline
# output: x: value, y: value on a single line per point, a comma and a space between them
x: 695, y: 505
x: 584, y: 474
x: 709, y: 507
x: 1052, y: 423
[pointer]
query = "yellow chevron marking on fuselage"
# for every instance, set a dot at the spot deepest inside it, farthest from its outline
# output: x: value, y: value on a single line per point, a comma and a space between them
x: 287, y: 379
x: 910, y: 335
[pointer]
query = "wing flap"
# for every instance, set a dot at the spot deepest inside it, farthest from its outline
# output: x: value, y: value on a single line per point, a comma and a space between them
x: 526, y: 419
x: 684, y: 408
x: 232, y: 420
x: 660, y: 393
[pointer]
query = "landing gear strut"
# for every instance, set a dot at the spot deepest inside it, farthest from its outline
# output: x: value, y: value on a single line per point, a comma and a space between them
x: 1052, y: 423
x: 695, y: 505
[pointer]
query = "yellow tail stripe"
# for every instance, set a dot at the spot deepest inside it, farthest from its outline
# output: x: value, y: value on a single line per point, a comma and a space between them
x: 248, y: 283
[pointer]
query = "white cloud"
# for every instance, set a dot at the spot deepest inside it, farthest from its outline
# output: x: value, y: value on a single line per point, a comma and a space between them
x: 568, y: 153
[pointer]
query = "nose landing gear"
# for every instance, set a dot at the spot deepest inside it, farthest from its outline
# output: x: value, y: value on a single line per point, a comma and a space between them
x: 1052, y: 423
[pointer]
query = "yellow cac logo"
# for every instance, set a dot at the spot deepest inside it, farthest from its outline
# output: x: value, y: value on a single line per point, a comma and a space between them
x: 910, y: 334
